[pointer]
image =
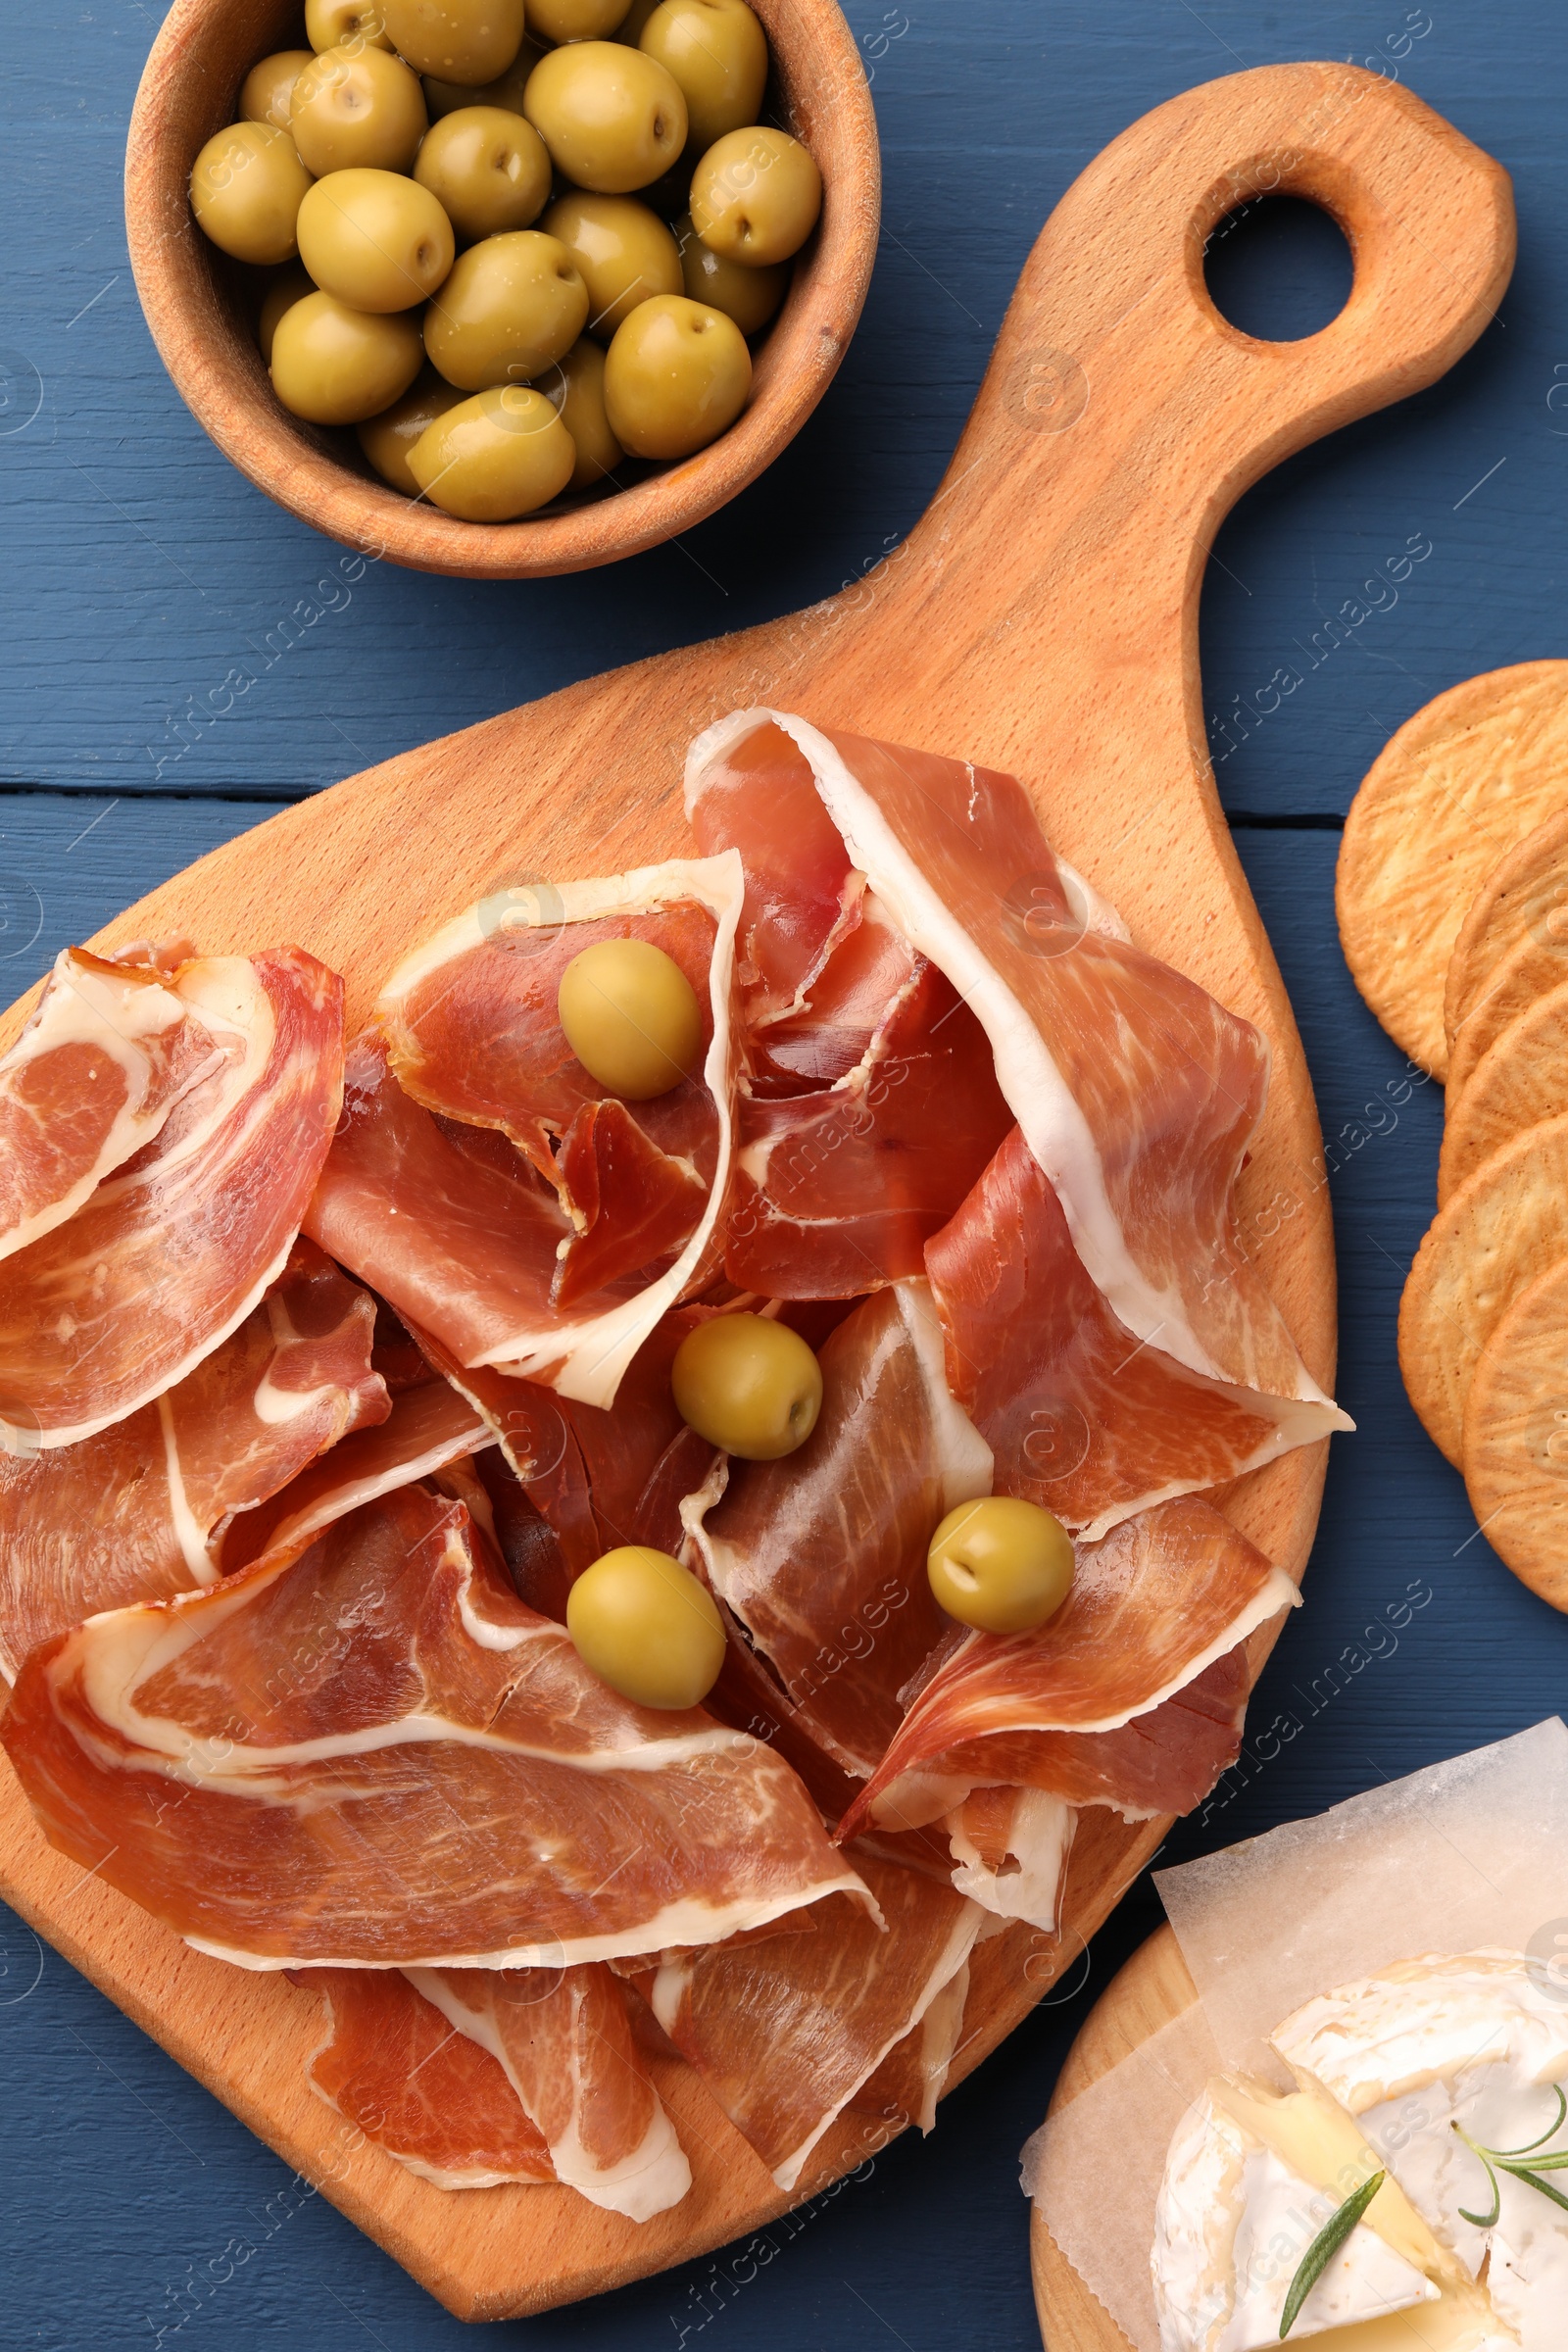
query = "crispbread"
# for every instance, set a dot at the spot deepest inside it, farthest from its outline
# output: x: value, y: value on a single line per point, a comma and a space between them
x: 1525, y: 975
x: 1525, y: 896
x: 1519, y: 1081
x: 1485, y: 1245
x: 1460, y: 785
x: 1516, y: 1437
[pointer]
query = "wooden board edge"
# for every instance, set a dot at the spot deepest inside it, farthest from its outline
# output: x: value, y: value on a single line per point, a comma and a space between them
x: 1148, y: 1991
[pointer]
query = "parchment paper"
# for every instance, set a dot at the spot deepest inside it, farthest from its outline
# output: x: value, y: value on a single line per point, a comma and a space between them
x: 1467, y: 1854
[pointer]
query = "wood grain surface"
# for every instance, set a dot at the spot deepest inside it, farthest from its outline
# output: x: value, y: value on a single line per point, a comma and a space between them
x: 1042, y: 617
x: 190, y: 295
x: 1151, y: 1989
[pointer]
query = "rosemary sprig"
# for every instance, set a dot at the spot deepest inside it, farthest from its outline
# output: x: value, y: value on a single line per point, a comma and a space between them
x: 1327, y: 2243
x: 1509, y: 2160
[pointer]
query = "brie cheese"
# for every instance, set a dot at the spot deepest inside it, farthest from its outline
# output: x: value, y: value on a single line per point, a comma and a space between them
x: 1437, y: 2048
x: 1397, y: 2074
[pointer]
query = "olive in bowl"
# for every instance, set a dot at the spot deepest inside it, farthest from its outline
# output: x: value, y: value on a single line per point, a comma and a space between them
x: 204, y: 311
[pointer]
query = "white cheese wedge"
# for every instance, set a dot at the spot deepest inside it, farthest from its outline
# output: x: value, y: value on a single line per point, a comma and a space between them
x: 1281, y: 2215
x: 1473, y: 2043
x: 1251, y: 2179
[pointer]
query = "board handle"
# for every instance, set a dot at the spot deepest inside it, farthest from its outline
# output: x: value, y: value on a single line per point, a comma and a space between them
x: 1122, y: 415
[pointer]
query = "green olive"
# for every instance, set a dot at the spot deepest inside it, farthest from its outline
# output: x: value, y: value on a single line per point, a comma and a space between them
x: 265, y: 92
x: 334, y: 365
x: 346, y: 24
x: 677, y: 376
x: 513, y: 306
x: 291, y: 285
x: 632, y: 1017
x: 494, y: 457
x: 358, y: 110
x: 577, y: 20
x: 445, y: 97
x: 387, y: 439
x: 246, y: 189
x: 748, y: 1385
x: 748, y: 296
x: 575, y: 389
x: 755, y: 196
x: 718, y: 52
x: 377, y: 241
x: 613, y: 118
x: 645, y: 1626
x: 488, y: 169
x: 459, y: 41
x: 1001, y: 1564
x: 623, y: 250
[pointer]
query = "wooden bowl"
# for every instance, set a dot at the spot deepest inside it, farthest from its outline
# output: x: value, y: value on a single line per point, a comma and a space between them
x: 189, y: 293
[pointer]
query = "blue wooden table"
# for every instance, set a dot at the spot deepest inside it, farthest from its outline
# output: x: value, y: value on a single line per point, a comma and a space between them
x: 180, y: 659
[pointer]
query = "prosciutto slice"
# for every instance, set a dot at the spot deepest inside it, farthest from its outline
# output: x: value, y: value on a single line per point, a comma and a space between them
x: 802, y: 894
x: 139, y: 1512
x: 169, y: 1255
x: 488, y: 1243
x: 1159, y: 1604
x: 1082, y: 1417
x: 379, y: 1756
x: 600, y: 1475
x: 785, y: 2031
x: 564, y: 2043
x: 837, y: 1191
x: 427, y: 2093
x: 91, y: 1079
x: 821, y: 1556
x: 868, y: 1105
x: 1135, y: 1093
x: 912, y: 2076
x: 423, y: 1430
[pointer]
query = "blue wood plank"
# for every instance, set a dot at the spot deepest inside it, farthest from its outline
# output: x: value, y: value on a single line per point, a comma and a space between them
x: 142, y: 571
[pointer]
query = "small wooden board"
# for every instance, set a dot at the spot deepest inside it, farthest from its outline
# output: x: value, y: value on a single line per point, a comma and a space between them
x: 1042, y: 617
x: 1151, y: 1989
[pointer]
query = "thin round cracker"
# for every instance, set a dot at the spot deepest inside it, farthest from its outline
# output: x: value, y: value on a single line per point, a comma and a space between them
x: 1518, y: 982
x: 1520, y: 1082
x: 1516, y: 1437
x: 1484, y: 1247
x: 1460, y: 785
x: 1526, y: 895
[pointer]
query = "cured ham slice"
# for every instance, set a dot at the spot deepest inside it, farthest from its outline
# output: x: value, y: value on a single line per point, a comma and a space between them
x: 1082, y: 1417
x: 138, y: 1511
x: 1135, y: 1093
x: 470, y: 1019
x: 838, y: 1190
x: 869, y: 1104
x: 601, y: 1475
x: 462, y: 1231
x: 428, y: 2095
x: 379, y: 1756
x: 562, y: 2040
x: 465, y: 1247
x: 1154, y: 1608
x: 1009, y: 1849
x: 802, y: 895
x: 91, y: 1079
x: 912, y: 2076
x: 424, y: 1431
x: 784, y: 2032
x: 631, y: 1204
x: 169, y: 1255
x: 821, y: 1556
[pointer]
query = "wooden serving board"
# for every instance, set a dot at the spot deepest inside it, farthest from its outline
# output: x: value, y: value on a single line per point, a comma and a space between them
x: 1042, y: 617
x: 1151, y: 1989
